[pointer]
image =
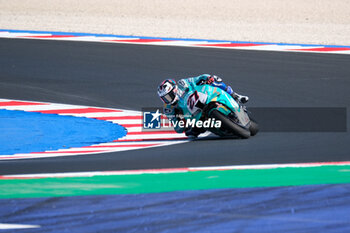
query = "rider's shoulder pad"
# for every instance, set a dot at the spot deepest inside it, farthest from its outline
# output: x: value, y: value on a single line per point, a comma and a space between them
x: 217, y: 78
x: 182, y: 83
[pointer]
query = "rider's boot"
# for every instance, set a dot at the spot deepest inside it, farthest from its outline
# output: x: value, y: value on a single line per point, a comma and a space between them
x: 194, y: 132
x: 241, y: 98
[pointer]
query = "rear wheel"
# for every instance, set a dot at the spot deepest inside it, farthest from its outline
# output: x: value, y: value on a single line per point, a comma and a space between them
x: 228, y: 126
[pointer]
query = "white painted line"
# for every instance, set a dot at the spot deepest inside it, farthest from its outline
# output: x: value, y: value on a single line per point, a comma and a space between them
x: 153, y: 136
x: 140, y: 129
x: 7, y: 226
x: 32, y: 108
x: 110, y: 114
x: 122, y: 122
x: 269, y: 166
x: 13, y: 34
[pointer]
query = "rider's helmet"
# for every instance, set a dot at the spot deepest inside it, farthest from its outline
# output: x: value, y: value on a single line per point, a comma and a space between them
x: 167, y: 91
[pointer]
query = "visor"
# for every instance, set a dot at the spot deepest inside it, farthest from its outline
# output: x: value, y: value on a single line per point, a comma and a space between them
x: 169, y: 98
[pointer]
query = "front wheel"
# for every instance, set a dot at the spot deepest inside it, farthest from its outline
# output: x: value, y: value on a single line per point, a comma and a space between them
x: 254, y: 127
x: 228, y: 126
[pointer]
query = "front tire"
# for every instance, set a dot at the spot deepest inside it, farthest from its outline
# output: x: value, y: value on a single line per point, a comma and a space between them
x: 228, y: 126
x: 254, y: 127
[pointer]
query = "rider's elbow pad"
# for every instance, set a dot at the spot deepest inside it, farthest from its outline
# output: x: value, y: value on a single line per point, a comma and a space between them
x: 229, y: 90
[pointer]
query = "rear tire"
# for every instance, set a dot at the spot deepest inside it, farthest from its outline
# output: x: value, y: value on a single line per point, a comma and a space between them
x: 228, y: 125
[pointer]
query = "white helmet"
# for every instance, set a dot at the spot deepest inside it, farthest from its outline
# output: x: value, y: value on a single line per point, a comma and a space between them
x: 167, y: 91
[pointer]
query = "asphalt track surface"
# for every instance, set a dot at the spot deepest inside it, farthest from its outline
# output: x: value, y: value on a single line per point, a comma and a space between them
x: 126, y: 76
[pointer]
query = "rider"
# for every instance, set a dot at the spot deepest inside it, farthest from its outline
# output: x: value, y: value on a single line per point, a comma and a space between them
x: 169, y: 92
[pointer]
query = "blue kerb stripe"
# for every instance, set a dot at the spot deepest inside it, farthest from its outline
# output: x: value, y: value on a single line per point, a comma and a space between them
x: 25, y: 132
x: 164, y: 38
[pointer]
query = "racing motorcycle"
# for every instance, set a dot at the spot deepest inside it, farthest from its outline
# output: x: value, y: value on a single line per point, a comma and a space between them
x: 206, y: 102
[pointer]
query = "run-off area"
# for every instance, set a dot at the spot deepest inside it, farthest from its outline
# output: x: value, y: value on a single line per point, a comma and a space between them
x: 312, y: 208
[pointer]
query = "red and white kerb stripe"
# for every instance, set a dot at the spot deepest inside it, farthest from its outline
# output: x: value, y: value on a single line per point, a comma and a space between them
x: 176, y: 42
x: 131, y: 120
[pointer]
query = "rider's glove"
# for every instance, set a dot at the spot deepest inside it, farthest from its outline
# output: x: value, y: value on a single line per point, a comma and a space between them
x: 213, y: 78
x: 210, y: 80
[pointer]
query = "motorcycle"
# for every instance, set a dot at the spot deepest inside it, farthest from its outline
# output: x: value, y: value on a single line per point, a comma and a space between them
x: 205, y: 102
